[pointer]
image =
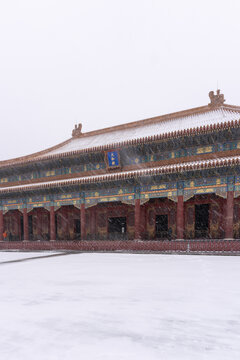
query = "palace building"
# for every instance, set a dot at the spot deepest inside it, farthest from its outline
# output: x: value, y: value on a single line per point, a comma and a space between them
x: 172, y: 179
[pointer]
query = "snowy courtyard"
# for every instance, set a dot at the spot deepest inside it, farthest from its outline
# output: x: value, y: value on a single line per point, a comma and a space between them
x: 119, y: 306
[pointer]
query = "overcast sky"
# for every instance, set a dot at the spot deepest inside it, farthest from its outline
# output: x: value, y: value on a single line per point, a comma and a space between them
x: 106, y: 62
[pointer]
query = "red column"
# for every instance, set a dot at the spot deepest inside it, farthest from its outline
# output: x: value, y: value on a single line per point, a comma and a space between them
x: 143, y: 216
x: 39, y: 223
x: 229, y: 216
x: 83, y: 222
x: 52, y: 224
x: 19, y: 226
x: 137, y: 219
x: 93, y: 222
x: 25, y: 225
x: 180, y: 218
x: 1, y: 225
x: 65, y: 222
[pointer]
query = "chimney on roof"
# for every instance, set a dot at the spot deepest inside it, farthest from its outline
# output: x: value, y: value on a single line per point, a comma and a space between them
x: 216, y: 100
x: 77, y: 131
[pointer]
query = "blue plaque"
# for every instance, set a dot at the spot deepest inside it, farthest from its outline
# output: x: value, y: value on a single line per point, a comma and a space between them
x: 113, y: 159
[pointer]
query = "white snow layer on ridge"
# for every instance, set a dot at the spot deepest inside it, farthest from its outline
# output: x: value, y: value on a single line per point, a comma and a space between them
x: 187, y: 122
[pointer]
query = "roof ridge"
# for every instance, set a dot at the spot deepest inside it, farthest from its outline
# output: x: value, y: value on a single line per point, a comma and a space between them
x: 42, y: 155
x: 131, y: 142
x: 33, y: 156
x: 151, y: 120
x: 160, y: 118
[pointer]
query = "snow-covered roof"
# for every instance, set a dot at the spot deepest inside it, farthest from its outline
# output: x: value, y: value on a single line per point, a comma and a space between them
x: 214, y: 116
x: 162, y: 126
x: 174, y: 168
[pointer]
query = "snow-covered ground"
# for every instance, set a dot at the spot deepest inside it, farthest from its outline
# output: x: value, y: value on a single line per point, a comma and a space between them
x: 121, y: 307
x: 17, y: 255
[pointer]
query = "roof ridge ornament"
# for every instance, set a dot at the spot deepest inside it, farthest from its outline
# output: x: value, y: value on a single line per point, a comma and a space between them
x: 77, y: 131
x: 216, y: 100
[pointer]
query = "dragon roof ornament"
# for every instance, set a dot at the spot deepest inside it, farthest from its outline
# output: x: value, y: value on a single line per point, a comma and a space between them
x: 77, y: 131
x: 216, y: 100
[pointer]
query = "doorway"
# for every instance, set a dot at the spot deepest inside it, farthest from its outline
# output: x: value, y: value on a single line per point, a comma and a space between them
x: 201, y: 221
x: 30, y: 227
x: 117, y: 227
x: 162, y: 226
x: 77, y: 228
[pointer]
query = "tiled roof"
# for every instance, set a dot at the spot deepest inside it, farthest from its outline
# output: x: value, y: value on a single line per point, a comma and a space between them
x: 203, y: 119
x: 175, y: 168
x: 163, y: 126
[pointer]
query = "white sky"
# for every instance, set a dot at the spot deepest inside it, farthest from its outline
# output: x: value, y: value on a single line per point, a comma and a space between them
x: 106, y: 62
